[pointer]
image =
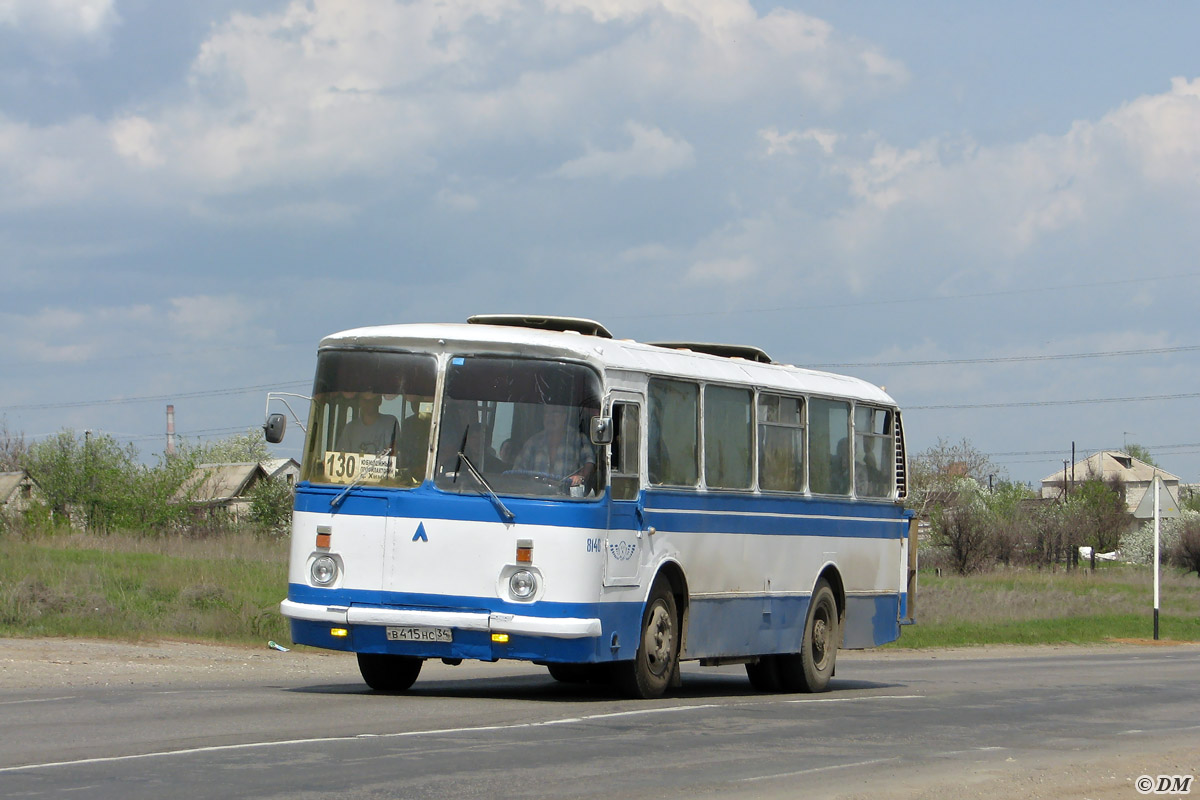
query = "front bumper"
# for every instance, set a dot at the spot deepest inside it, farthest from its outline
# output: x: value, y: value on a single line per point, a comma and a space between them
x: 488, y: 622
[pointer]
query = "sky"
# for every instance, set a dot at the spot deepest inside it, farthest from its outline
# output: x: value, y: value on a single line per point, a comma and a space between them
x: 988, y: 209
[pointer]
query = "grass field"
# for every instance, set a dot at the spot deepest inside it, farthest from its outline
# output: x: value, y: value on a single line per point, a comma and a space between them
x: 1049, y: 607
x: 228, y: 588
x: 222, y: 589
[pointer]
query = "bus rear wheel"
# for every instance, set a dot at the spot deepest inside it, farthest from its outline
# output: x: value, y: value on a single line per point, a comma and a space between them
x: 657, y: 659
x: 811, y: 669
x: 389, y: 673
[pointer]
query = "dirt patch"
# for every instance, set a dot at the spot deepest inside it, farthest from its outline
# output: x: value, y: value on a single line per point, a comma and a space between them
x: 39, y: 663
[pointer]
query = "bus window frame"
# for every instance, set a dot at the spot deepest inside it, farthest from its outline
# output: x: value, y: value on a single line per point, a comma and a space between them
x: 803, y: 426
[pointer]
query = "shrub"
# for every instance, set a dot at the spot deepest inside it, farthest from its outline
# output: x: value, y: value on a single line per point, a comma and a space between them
x: 1138, y: 545
x: 1185, y: 552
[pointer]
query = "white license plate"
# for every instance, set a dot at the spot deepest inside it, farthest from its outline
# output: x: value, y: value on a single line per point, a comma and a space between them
x: 419, y: 633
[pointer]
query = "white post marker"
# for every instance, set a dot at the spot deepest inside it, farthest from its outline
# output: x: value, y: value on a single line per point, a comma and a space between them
x: 1151, y: 507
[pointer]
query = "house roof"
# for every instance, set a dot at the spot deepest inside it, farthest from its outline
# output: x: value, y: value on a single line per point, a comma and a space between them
x: 9, y: 483
x: 1109, y: 463
x: 275, y: 466
x: 215, y: 483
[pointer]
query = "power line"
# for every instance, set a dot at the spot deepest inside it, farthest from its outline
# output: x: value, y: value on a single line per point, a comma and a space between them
x: 1041, y: 403
x: 910, y: 300
x: 116, y: 401
x: 1009, y: 359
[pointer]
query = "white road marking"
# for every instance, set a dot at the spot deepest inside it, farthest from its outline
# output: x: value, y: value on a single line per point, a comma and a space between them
x: 39, y: 700
x: 432, y: 732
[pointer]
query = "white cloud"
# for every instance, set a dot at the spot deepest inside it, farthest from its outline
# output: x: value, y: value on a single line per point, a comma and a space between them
x: 456, y: 201
x: 58, y: 335
x: 47, y: 165
x: 722, y: 270
x: 60, y: 19
x: 786, y: 143
x: 211, y: 317
x: 135, y: 139
x: 324, y: 89
x: 651, y: 154
x: 1000, y: 201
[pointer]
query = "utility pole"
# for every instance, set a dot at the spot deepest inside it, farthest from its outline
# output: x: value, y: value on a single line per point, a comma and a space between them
x: 87, y: 478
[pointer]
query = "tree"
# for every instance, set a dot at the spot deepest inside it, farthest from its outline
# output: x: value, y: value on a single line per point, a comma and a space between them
x: 92, y: 479
x: 1099, y: 514
x: 1140, y: 453
x: 935, y: 474
x: 239, y: 448
x: 963, y: 531
x: 271, y: 506
x: 12, y: 448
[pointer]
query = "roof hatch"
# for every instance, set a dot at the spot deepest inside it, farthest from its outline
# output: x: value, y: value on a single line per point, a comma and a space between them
x: 576, y: 324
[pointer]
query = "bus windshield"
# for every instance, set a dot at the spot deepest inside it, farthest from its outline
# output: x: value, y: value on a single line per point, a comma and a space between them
x: 520, y: 425
x: 370, y: 418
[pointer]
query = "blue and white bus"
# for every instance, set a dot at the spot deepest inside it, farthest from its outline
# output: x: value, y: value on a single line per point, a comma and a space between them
x: 534, y: 489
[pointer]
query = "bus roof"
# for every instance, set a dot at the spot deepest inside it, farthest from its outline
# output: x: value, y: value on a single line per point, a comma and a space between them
x: 605, y: 354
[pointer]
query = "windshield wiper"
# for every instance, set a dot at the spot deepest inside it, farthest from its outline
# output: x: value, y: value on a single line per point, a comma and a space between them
x: 505, y: 514
x: 337, y: 501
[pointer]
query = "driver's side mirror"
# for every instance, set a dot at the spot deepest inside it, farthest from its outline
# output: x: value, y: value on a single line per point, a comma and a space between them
x: 274, y: 427
x: 602, y: 430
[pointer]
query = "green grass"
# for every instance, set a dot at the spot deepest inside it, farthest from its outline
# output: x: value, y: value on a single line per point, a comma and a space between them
x: 227, y: 589
x: 1052, y: 607
x: 224, y: 589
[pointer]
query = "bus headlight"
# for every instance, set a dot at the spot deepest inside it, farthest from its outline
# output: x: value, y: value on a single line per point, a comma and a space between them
x: 324, y: 570
x: 522, y: 584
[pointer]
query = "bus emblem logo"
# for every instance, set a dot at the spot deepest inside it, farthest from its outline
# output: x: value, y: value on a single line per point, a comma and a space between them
x: 622, y: 551
x: 420, y: 534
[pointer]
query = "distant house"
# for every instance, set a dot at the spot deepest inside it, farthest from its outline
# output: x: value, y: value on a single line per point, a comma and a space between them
x: 18, y: 491
x: 227, y: 486
x: 286, y: 468
x: 1135, y: 475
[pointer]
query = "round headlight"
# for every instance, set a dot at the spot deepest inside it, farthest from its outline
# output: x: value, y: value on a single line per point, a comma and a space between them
x: 324, y: 570
x: 522, y: 584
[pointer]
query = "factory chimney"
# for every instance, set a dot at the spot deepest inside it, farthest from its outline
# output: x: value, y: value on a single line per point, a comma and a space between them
x: 170, y: 430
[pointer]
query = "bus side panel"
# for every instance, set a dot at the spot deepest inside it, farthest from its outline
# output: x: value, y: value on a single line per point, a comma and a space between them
x: 752, y: 563
x: 871, y: 620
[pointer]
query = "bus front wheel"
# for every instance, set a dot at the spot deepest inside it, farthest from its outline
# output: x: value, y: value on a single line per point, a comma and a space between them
x: 650, y: 672
x: 389, y: 673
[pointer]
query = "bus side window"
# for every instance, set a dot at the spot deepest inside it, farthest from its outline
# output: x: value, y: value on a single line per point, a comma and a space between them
x: 874, y: 451
x: 674, y: 433
x: 829, y: 446
x: 623, y: 452
x: 780, y: 443
x: 728, y: 437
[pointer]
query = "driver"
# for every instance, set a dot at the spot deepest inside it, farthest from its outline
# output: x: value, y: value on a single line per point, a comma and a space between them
x: 559, y: 449
x: 369, y: 431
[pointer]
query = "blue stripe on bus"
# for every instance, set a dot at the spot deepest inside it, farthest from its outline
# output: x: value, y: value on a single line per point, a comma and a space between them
x: 666, y: 510
x: 729, y: 627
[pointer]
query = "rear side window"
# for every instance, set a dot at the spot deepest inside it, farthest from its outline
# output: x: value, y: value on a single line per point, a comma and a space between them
x: 874, y: 452
x: 829, y: 446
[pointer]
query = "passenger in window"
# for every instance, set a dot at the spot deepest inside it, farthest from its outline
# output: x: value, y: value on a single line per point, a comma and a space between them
x: 369, y: 431
x: 559, y: 449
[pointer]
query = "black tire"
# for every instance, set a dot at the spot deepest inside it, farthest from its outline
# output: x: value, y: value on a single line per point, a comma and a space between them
x: 764, y: 674
x: 811, y: 670
x: 389, y: 673
x: 649, y: 674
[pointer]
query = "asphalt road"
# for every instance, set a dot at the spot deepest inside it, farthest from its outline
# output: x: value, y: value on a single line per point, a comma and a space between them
x: 1028, y: 723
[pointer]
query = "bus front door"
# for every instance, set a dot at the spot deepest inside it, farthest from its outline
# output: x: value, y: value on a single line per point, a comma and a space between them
x: 623, y: 550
